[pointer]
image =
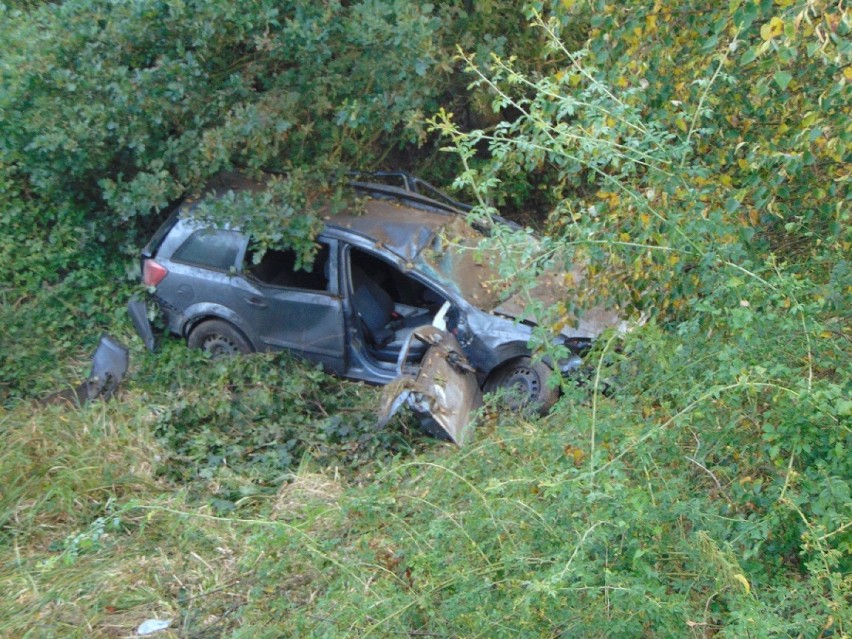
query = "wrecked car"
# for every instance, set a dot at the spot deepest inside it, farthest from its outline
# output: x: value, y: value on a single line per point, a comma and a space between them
x: 406, y: 261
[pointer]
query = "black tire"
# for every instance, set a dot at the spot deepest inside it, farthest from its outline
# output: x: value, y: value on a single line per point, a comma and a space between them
x: 218, y: 339
x: 526, y: 384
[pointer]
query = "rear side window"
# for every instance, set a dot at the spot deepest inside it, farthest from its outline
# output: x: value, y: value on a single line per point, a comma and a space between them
x: 278, y: 268
x: 211, y: 248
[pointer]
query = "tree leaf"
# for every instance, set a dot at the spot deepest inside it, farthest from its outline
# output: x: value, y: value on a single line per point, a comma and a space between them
x: 782, y: 79
x: 749, y: 55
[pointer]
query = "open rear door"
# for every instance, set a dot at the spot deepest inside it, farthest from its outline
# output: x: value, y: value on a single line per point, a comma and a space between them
x: 443, y: 388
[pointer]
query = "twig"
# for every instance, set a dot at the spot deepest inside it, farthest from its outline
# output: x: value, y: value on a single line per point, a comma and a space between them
x: 577, y: 548
x: 697, y: 113
x: 206, y: 593
x: 804, y: 330
x: 595, y: 408
x: 710, y: 472
x: 787, y: 477
x: 834, y: 532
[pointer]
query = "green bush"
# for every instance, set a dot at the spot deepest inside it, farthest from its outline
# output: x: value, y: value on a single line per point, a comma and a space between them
x: 696, y: 483
x: 131, y: 105
x: 246, y: 425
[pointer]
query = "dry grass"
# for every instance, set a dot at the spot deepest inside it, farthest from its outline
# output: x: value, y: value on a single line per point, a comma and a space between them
x: 306, y: 490
x: 78, y: 556
x: 93, y: 542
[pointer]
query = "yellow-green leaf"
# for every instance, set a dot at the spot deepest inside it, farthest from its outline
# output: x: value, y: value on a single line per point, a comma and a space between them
x: 782, y: 79
x: 744, y: 582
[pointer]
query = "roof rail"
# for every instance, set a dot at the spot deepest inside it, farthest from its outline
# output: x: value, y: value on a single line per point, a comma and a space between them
x: 410, y: 198
x: 413, y: 184
x: 418, y: 192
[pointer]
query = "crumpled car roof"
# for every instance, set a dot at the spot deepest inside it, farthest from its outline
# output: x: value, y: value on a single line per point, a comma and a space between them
x: 402, y: 230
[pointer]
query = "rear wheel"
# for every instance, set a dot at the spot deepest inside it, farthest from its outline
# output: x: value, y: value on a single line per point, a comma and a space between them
x: 526, y: 384
x: 218, y: 339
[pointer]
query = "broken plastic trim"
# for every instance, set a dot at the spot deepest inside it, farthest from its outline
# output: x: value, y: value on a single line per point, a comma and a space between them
x: 109, y: 366
x: 138, y: 312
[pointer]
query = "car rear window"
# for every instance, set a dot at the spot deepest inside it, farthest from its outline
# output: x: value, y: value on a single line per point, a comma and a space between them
x: 154, y: 244
x: 211, y: 248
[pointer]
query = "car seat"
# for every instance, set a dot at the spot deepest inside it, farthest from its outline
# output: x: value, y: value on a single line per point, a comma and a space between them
x: 386, y: 333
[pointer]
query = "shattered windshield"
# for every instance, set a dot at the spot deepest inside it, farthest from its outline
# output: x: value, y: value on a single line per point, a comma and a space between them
x: 463, y: 258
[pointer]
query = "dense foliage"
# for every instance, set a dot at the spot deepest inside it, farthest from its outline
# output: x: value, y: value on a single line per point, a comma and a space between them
x: 131, y: 104
x: 695, y: 156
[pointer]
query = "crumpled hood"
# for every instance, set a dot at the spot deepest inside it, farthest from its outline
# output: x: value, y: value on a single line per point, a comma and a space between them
x: 552, y: 288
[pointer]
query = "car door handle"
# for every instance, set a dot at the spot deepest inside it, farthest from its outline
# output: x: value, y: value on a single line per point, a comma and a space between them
x: 256, y: 301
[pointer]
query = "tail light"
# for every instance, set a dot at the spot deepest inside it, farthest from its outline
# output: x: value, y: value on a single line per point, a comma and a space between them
x: 153, y: 273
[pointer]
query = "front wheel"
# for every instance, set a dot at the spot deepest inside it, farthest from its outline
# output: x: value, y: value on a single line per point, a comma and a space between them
x: 218, y: 339
x: 526, y: 384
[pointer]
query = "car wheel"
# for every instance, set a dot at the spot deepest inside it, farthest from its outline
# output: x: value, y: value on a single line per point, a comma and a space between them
x: 218, y: 339
x: 525, y: 383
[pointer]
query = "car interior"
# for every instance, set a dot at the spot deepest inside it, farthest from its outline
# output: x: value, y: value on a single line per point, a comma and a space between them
x: 278, y: 268
x: 389, y: 305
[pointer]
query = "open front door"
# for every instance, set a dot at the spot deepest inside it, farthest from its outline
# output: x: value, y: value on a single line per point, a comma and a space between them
x: 443, y: 388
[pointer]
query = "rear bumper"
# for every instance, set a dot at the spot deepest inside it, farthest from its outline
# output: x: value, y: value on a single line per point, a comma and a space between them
x: 138, y: 311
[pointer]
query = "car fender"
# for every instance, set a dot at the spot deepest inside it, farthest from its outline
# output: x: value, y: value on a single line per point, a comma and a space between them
x: 508, y: 352
x: 207, y: 310
x: 496, y: 357
x: 490, y: 340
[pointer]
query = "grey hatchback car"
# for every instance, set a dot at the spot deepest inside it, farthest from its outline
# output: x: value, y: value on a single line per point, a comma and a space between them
x: 404, y: 262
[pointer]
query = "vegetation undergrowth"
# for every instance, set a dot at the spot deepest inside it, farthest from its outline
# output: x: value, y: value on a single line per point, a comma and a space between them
x: 695, y: 482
